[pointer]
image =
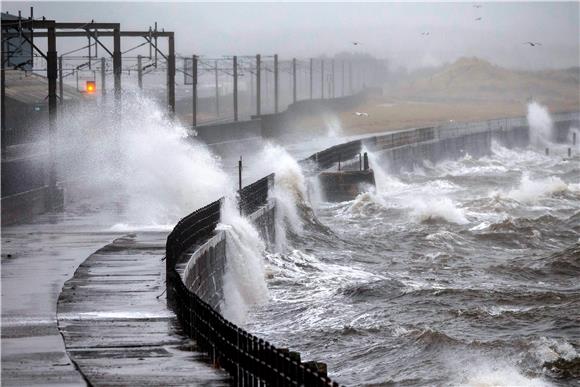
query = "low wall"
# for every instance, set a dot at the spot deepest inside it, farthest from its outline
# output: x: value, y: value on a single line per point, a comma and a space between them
x: 196, y: 260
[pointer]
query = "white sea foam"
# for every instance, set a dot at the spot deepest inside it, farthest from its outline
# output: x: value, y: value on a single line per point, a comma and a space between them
x: 438, y: 208
x: 290, y: 190
x: 499, y: 375
x: 530, y: 191
x: 244, y: 281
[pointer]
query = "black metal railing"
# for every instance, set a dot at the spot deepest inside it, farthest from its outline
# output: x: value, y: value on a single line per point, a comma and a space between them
x: 250, y: 361
x: 255, y: 195
x: 333, y: 155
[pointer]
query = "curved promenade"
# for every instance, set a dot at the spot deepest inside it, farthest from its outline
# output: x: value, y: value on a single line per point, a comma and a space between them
x: 116, y: 325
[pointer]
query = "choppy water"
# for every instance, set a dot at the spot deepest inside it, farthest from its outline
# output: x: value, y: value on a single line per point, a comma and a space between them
x: 464, y: 272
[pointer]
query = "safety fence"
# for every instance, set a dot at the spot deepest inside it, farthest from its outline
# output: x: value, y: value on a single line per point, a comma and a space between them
x: 255, y: 195
x: 250, y: 361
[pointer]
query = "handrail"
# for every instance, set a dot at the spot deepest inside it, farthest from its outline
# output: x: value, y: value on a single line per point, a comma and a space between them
x: 249, y: 359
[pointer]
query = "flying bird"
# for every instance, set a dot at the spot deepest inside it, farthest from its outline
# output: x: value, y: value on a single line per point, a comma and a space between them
x: 533, y: 44
x: 356, y: 43
x: 361, y: 114
x: 425, y: 33
x: 478, y: 18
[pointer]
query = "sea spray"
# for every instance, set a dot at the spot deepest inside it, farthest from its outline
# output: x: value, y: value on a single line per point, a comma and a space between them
x: 142, y: 159
x: 541, y: 125
x: 530, y: 191
x: 290, y: 191
x: 434, y: 209
x: 244, y: 277
x: 333, y: 126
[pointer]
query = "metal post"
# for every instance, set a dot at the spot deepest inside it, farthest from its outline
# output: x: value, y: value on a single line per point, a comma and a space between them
x: 332, y: 77
x: 366, y: 161
x: 77, y: 75
x: 342, y: 83
x: 240, y: 183
x: 294, y: 80
x: 51, y: 73
x: 3, y: 99
x: 90, y: 54
x: 574, y: 138
x: 194, y: 88
x: 217, y: 90
x: 276, y: 83
x: 140, y: 72
x: 235, y: 88
x: 360, y: 162
x: 350, y: 78
x: 31, y: 37
x: 322, y: 78
x: 258, y: 84
x: 103, y: 77
x: 155, y: 40
x: 117, y: 67
x: 60, y: 80
x: 339, y: 161
x: 311, y: 79
x: 170, y: 74
x: 569, y: 152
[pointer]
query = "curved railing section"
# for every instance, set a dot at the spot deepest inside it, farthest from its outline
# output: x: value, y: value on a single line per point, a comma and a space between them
x: 250, y: 361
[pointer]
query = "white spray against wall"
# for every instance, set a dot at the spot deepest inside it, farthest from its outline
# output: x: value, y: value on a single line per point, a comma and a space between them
x: 541, y: 125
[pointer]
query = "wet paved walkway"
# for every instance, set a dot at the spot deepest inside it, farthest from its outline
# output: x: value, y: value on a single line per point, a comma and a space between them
x: 116, y: 324
x: 37, y: 259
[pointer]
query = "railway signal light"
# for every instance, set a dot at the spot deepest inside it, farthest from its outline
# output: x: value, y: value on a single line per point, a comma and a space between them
x: 90, y: 87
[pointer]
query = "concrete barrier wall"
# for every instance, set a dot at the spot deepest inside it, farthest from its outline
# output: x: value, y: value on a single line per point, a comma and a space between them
x: 402, y: 150
x: 203, y: 273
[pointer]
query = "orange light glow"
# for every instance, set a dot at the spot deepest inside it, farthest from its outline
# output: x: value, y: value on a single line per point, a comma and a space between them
x: 90, y: 87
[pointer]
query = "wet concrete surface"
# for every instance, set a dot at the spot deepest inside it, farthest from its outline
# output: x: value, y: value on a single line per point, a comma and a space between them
x: 37, y: 259
x: 116, y: 324
x: 112, y: 344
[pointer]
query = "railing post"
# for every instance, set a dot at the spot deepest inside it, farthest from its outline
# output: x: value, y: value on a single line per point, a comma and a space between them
x: 366, y: 161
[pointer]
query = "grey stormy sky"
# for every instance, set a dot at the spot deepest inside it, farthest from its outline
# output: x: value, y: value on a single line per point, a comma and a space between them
x: 387, y: 30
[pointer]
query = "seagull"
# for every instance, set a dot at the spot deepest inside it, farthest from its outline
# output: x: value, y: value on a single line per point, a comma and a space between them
x: 356, y: 43
x: 425, y: 33
x: 361, y: 114
x: 478, y: 18
x: 533, y: 44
